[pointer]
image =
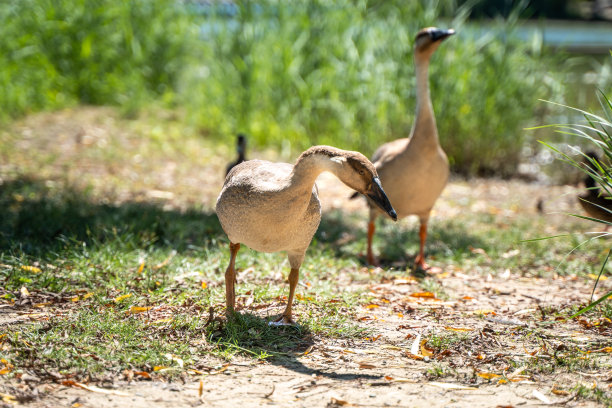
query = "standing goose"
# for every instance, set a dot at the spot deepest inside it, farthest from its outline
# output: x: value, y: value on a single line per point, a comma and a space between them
x: 414, y: 170
x: 241, y: 150
x: 273, y: 207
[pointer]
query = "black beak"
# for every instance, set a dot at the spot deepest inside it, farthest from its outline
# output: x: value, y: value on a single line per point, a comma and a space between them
x: 439, y: 34
x: 378, y: 196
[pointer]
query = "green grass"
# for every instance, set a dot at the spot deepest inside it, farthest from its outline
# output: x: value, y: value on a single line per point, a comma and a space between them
x: 79, y: 246
x: 291, y: 75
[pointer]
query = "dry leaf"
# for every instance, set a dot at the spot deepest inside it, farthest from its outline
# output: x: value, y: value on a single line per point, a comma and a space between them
x: 32, y: 269
x: 87, y: 295
x: 557, y: 391
x: 308, y: 350
x: 372, y: 306
x: 201, y: 388
x: 122, y: 297
x: 541, y: 397
x: 425, y: 352
x: 5, y: 371
x: 204, y: 285
x: 140, y: 268
x: 388, y: 378
x: 139, y: 309
x: 364, y: 366
x: 8, y: 398
x: 458, y: 329
x: 143, y: 374
x: 488, y: 376
x: 426, y: 295
x: 24, y: 292
x: 450, y: 386
x: 158, y: 368
x: 339, y: 402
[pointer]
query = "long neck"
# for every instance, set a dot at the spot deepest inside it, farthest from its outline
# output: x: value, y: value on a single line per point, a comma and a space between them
x: 307, y: 169
x: 424, y: 132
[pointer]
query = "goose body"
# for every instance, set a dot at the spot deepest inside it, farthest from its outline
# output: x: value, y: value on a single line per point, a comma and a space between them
x: 273, y: 207
x: 414, y: 170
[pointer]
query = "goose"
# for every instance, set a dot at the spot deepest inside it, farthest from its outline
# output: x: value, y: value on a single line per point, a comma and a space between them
x: 241, y: 150
x: 272, y: 207
x: 414, y: 170
x: 595, y: 203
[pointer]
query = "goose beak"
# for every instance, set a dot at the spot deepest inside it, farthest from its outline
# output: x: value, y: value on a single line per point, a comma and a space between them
x: 439, y: 34
x: 378, y: 196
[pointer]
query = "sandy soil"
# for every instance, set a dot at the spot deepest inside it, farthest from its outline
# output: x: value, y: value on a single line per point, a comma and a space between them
x: 496, y: 312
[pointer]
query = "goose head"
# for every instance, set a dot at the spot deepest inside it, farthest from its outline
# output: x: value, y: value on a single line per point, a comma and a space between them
x: 357, y: 172
x: 428, y: 39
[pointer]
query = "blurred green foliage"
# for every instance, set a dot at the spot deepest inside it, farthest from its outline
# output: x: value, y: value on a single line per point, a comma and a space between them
x: 291, y: 74
x: 55, y: 53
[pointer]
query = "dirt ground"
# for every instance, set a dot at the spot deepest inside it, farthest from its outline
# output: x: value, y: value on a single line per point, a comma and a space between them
x: 381, y: 372
x: 496, y: 313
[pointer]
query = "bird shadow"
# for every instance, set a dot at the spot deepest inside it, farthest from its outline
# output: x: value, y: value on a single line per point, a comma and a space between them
x: 280, y: 345
x: 396, y: 244
x: 39, y: 218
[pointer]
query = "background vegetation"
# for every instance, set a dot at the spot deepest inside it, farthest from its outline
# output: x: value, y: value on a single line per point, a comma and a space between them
x: 289, y: 74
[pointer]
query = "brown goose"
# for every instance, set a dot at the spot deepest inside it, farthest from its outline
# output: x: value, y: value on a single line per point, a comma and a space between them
x: 595, y: 203
x: 273, y: 207
x: 414, y: 170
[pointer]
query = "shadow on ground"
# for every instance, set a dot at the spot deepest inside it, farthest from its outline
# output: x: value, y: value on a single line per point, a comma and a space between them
x: 284, y: 344
x: 38, y: 216
x: 397, y: 244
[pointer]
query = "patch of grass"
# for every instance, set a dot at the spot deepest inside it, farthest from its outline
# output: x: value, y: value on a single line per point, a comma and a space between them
x: 593, y: 393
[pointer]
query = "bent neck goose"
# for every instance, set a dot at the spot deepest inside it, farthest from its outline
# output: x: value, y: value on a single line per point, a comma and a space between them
x: 241, y: 150
x: 414, y: 170
x: 273, y: 207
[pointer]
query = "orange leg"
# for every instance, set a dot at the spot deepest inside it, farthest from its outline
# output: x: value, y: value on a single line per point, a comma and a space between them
x: 371, y: 258
x: 230, y: 280
x: 420, y: 259
x: 287, y: 317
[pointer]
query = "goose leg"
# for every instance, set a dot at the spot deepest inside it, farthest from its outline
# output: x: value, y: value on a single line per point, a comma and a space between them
x: 420, y: 259
x: 230, y: 280
x: 371, y: 228
x: 287, y: 316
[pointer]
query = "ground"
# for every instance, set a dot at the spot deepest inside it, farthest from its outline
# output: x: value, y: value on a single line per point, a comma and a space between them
x: 488, y: 325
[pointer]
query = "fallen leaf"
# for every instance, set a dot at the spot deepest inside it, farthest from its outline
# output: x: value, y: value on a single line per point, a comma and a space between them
x: 158, y: 368
x: 139, y: 309
x: 8, y: 398
x: 140, y: 268
x: 143, y: 374
x: 204, y: 285
x: 541, y: 397
x: 201, y: 388
x: 425, y: 352
x: 450, y: 386
x: 365, y: 365
x: 5, y: 371
x: 372, y: 306
x: 122, y: 297
x: 602, y: 350
x: 308, y: 350
x: 32, y: 269
x: 339, y: 402
x: 426, y: 295
x: 595, y: 277
x: 87, y: 295
x: 24, y: 292
x: 388, y: 378
x: 488, y: 376
x: 557, y: 391
x: 467, y: 298
x: 484, y: 312
x: 458, y: 329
